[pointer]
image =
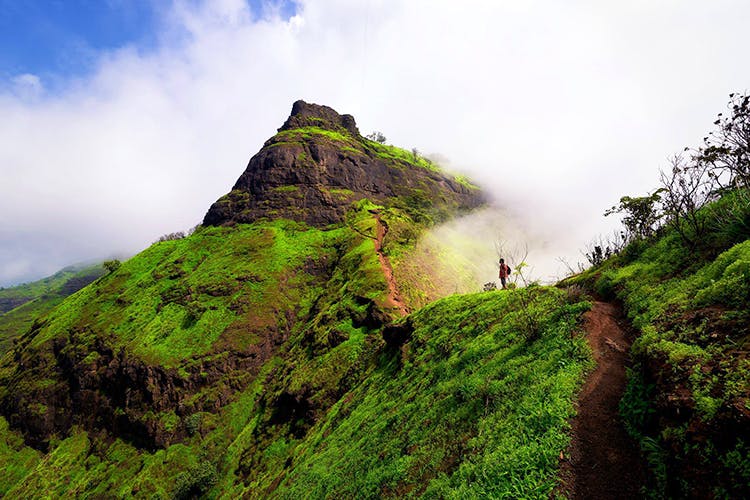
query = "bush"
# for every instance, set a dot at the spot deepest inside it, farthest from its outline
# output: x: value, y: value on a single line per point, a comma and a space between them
x: 111, y: 265
x: 196, y: 481
x: 171, y: 236
x: 377, y: 137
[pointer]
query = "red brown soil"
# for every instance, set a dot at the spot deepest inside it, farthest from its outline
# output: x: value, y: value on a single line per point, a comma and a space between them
x: 394, y: 298
x: 602, y: 460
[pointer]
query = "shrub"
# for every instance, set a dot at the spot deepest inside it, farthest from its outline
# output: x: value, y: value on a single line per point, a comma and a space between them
x: 171, y: 236
x: 196, y: 481
x: 377, y: 137
x: 111, y: 265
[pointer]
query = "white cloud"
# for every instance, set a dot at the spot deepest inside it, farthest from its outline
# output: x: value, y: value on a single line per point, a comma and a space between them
x: 27, y: 86
x: 560, y: 108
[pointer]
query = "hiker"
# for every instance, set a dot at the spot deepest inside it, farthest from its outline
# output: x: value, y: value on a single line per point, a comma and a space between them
x: 504, y: 273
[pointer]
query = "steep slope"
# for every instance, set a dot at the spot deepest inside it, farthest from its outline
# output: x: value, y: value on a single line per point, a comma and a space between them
x: 194, y: 357
x: 462, y: 399
x: 318, y: 164
x: 688, y: 396
x: 20, y: 305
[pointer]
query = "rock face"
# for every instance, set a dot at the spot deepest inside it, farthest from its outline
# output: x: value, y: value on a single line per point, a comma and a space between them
x: 318, y: 164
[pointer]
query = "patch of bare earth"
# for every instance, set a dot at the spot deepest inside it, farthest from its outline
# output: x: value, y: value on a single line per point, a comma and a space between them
x: 602, y: 462
x: 394, y: 298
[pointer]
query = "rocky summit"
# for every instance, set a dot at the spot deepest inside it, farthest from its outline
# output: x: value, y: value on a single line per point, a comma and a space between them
x: 318, y: 164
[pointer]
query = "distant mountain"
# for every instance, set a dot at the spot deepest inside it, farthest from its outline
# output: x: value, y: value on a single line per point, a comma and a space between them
x: 20, y: 305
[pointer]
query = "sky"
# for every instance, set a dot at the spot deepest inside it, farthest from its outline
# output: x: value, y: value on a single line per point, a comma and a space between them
x: 123, y: 120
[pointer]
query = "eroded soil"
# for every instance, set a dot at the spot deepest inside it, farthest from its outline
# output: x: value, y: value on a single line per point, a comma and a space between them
x: 602, y: 460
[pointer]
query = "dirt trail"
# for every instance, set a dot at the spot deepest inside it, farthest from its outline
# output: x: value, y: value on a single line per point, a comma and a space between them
x: 394, y: 298
x: 602, y: 461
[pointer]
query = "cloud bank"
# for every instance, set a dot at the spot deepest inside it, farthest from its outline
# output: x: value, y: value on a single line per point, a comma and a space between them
x: 558, y: 108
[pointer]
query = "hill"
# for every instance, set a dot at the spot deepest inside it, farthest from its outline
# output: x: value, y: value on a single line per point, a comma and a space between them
x: 688, y: 395
x: 20, y: 305
x: 270, y: 353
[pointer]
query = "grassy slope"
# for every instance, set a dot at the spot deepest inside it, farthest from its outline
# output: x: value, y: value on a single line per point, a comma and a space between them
x: 473, y: 405
x: 40, y: 297
x: 689, y: 396
x: 177, y: 298
x: 439, y: 417
x: 219, y: 290
x: 468, y: 407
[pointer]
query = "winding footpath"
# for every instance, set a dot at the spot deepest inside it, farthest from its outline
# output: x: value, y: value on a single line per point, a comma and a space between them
x: 602, y: 461
x: 394, y: 298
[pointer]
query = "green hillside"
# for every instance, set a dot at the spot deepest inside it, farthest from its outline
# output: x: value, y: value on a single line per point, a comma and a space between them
x: 253, y: 359
x: 688, y: 400
x: 310, y: 340
x: 20, y: 305
x: 271, y: 352
x: 436, y: 412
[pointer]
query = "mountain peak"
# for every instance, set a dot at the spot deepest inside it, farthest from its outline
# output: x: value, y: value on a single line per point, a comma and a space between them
x: 306, y: 114
x: 318, y: 164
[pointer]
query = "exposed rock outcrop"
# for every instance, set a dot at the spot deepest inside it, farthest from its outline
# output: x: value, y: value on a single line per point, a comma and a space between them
x: 318, y: 164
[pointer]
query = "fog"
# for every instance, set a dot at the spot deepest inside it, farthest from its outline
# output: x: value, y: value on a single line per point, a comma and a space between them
x: 557, y: 108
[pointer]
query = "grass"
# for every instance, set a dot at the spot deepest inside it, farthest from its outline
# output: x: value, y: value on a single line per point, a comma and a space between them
x: 467, y: 408
x: 177, y: 298
x: 341, y: 138
x: 438, y: 417
x: 689, y: 394
x: 39, y: 298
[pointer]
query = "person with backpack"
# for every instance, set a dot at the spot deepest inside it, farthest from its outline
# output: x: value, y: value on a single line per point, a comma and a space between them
x: 504, y: 273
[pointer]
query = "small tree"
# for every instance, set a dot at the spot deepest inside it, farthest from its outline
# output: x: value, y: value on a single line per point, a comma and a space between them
x: 726, y: 151
x: 602, y: 248
x: 641, y: 214
x: 178, y: 235
x: 111, y: 265
x: 687, y: 187
x: 377, y: 137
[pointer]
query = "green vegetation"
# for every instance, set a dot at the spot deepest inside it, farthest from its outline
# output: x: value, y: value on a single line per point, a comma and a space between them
x: 438, y: 417
x: 16, y: 460
x: 689, y: 391
x: 298, y: 135
x: 49, y: 285
x: 27, y: 302
x: 441, y: 417
x: 178, y: 297
x: 465, y: 182
x: 400, y: 156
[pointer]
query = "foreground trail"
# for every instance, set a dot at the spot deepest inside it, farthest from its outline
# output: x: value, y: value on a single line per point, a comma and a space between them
x: 603, y: 460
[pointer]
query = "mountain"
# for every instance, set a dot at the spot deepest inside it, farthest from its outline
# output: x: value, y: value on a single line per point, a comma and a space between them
x: 20, y: 305
x: 304, y: 341
x: 318, y: 164
x: 311, y: 339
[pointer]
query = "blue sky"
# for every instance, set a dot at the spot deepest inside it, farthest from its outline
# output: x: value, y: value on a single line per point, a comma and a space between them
x: 59, y: 39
